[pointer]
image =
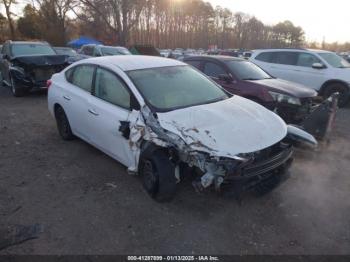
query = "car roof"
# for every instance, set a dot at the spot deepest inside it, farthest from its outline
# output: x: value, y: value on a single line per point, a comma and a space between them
x: 133, y: 62
x: 215, y: 57
x: 292, y: 50
x: 99, y: 45
x: 29, y: 42
x: 61, y: 47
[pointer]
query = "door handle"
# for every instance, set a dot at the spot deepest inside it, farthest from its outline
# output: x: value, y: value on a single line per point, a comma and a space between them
x: 91, y: 111
x: 66, y: 97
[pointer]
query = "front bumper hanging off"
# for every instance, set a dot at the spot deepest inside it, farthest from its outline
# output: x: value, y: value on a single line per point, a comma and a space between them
x: 320, y: 121
x: 312, y: 116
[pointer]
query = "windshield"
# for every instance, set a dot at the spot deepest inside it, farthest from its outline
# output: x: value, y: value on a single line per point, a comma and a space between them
x: 65, y: 51
x: 31, y: 49
x: 114, y: 51
x: 245, y: 70
x: 334, y: 60
x: 169, y: 88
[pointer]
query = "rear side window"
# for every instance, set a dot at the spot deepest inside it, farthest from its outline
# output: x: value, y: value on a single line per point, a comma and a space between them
x: 110, y: 88
x: 82, y: 77
x: 195, y: 64
x: 213, y: 70
x: 285, y: 58
x: 265, y: 57
x: 307, y: 60
x: 69, y: 74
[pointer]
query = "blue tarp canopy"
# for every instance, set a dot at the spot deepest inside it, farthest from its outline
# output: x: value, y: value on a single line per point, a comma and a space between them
x: 83, y: 40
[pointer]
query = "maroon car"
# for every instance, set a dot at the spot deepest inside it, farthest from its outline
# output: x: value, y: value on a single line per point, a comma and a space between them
x: 293, y: 102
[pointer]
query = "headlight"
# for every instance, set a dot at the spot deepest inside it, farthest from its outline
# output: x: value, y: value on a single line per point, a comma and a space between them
x: 281, y: 98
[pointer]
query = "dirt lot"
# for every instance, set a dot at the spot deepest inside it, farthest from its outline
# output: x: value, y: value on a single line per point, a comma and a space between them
x: 88, y: 204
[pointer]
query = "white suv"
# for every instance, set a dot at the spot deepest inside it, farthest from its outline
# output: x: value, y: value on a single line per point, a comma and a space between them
x: 324, y: 71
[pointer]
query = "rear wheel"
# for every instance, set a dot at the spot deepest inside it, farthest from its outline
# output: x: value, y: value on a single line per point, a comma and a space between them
x: 16, y: 89
x: 343, y: 91
x: 63, y: 125
x: 158, y: 176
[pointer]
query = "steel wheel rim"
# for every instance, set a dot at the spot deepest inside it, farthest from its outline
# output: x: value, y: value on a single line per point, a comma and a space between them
x: 149, y: 177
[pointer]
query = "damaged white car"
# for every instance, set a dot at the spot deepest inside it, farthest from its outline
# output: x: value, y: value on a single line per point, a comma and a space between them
x: 166, y: 121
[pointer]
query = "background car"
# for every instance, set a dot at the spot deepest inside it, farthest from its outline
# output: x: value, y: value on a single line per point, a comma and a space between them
x: 324, y: 71
x: 229, y: 52
x: 103, y: 50
x: 28, y: 65
x: 155, y: 114
x: 165, y: 52
x: 73, y: 56
x: 291, y: 101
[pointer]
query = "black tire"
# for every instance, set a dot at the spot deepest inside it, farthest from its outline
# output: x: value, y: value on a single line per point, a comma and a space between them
x: 16, y: 89
x: 63, y: 125
x: 344, y: 94
x: 158, y: 176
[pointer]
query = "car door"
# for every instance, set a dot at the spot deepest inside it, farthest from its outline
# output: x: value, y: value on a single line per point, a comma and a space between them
x: 283, y: 65
x: 76, y: 95
x: 279, y: 64
x: 109, y: 109
x: 307, y: 75
x: 214, y: 70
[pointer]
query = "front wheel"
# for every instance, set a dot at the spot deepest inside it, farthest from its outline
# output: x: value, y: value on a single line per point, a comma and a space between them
x: 158, y: 176
x: 16, y: 89
x: 343, y: 91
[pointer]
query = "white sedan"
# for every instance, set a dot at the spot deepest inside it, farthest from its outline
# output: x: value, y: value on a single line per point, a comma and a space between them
x: 163, y: 120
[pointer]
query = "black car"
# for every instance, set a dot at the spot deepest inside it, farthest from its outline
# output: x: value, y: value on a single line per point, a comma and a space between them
x: 28, y: 65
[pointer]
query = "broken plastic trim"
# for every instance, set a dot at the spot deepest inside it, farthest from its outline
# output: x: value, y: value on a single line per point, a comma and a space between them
x: 296, y: 134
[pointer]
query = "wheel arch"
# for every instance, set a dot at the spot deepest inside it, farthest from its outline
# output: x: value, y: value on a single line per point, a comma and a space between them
x: 55, y: 107
x: 330, y: 82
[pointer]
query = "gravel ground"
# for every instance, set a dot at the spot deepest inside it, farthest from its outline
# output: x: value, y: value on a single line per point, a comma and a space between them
x: 88, y: 204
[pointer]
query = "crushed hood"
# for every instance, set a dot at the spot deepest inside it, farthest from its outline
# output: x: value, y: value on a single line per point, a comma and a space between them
x: 286, y: 87
x: 40, y: 60
x: 226, y: 128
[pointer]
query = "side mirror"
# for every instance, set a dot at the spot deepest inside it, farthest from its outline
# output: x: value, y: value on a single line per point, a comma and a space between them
x: 226, y: 78
x: 318, y: 66
x: 5, y: 56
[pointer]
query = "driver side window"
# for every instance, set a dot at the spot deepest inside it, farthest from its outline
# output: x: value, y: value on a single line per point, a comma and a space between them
x: 307, y: 60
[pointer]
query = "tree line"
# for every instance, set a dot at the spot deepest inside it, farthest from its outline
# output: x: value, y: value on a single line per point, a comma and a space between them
x: 162, y: 23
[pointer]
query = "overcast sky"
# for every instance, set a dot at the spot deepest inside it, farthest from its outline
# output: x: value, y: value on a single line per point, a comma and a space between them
x: 318, y: 18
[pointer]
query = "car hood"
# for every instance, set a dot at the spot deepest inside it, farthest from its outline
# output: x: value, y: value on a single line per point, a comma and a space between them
x: 226, y: 128
x: 286, y: 87
x: 40, y: 60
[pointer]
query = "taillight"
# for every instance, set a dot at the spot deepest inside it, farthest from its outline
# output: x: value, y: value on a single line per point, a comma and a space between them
x: 48, y: 83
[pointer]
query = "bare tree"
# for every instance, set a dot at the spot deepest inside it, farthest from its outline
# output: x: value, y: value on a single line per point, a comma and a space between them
x: 7, y: 5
